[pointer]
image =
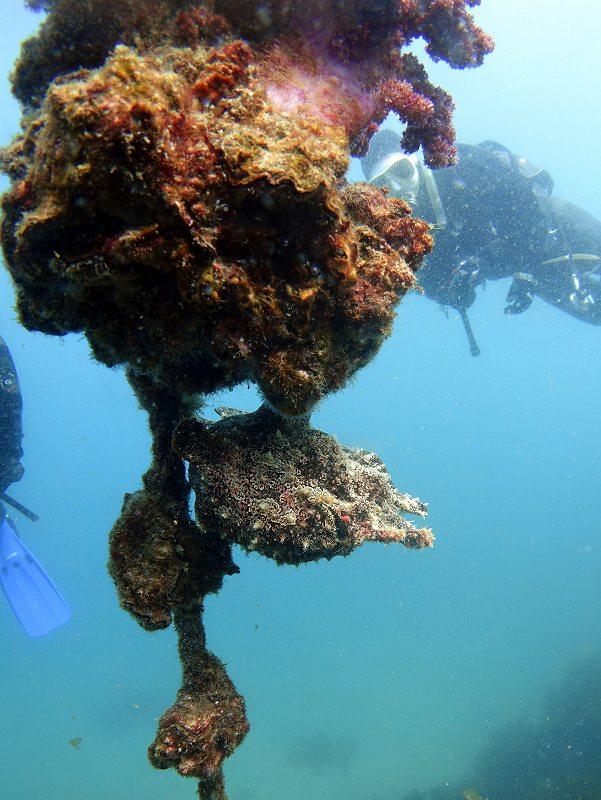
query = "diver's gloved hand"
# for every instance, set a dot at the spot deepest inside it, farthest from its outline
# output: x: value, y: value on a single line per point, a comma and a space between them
x: 519, y: 297
x: 460, y: 292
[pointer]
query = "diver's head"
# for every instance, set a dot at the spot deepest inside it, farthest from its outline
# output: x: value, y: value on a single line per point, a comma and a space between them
x: 388, y: 167
x: 399, y: 174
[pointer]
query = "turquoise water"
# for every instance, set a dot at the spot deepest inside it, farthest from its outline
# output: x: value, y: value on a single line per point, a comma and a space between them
x: 389, y: 671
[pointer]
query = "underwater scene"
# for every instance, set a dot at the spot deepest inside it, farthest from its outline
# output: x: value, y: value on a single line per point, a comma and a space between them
x: 301, y: 330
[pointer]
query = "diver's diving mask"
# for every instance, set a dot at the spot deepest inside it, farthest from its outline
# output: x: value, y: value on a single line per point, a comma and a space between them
x: 403, y: 175
x: 399, y: 173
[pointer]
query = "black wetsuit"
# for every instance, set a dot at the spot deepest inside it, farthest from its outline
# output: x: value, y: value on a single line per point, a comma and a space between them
x: 11, y: 432
x: 503, y: 221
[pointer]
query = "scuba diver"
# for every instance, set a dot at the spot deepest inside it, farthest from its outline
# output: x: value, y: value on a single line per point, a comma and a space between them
x: 34, y: 599
x: 494, y: 216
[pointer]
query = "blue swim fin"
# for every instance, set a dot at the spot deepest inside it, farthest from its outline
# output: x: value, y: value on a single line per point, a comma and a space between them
x: 33, y: 597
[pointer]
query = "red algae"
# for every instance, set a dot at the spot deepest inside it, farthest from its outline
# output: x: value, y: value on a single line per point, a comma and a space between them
x: 178, y: 195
